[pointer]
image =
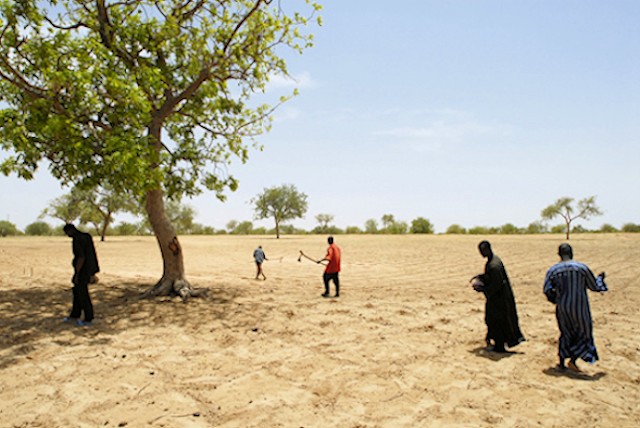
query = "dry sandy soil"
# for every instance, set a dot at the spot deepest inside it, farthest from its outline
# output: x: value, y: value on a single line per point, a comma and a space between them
x: 402, y: 347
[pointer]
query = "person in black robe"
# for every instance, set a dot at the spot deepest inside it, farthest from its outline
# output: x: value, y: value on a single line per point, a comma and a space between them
x: 85, y: 266
x: 501, y: 315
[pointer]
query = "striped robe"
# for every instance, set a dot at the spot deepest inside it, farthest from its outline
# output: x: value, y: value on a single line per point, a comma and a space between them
x: 566, y: 285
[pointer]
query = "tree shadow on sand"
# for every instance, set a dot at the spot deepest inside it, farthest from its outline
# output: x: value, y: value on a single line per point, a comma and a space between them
x: 29, y: 316
x: 556, y: 372
x: 483, y: 352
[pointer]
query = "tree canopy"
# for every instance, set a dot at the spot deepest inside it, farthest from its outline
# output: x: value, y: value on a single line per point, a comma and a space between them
x: 281, y: 203
x: 564, y: 208
x: 152, y: 97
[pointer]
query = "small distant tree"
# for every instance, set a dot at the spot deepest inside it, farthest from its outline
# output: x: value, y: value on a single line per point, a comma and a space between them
x: 371, y: 226
x: 421, y: 225
x: 243, y: 228
x: 564, y: 208
x: 96, y: 206
x: 630, y: 228
x: 536, y: 228
x: 353, y: 230
x: 397, y: 228
x: 390, y: 225
x: 38, y: 228
x: 126, y: 229
x: 66, y: 208
x: 456, y: 229
x: 323, y: 222
x: 508, y: 229
x: 231, y: 225
x: 387, y: 221
x: 281, y: 203
x: 558, y: 228
x: 8, y: 229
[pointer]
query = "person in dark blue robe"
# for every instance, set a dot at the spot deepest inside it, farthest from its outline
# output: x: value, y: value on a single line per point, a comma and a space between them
x: 566, y: 285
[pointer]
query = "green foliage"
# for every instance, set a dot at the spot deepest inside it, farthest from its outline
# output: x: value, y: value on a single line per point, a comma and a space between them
x: 371, y: 226
x: 536, y: 228
x: 579, y: 229
x: 8, y: 229
x: 286, y: 229
x: 38, y: 228
x: 393, y: 227
x: 564, y: 208
x: 323, y: 221
x: 181, y: 216
x: 328, y: 230
x: 509, y: 229
x: 243, y: 228
x: 142, y: 95
x: 96, y: 206
x: 456, y: 229
x: 559, y: 228
x: 281, y: 203
x: 353, y: 230
x: 67, y: 208
x: 607, y: 228
x: 630, y: 228
x: 126, y: 229
x: 479, y: 230
x: 421, y: 225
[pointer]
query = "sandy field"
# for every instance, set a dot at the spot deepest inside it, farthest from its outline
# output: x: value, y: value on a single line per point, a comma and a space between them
x: 402, y: 347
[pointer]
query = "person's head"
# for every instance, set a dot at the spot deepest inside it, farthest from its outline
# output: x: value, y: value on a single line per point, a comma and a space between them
x: 330, y: 240
x: 485, y: 248
x: 565, y: 252
x: 70, y: 229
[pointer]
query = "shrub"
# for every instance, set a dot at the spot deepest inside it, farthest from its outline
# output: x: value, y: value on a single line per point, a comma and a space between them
x: 456, y: 229
x: 421, y: 225
x: 8, y: 229
x: 607, y: 228
x: 631, y: 228
x: 38, y: 228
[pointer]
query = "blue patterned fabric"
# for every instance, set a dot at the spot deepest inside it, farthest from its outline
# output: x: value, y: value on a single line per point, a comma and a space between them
x: 566, y: 285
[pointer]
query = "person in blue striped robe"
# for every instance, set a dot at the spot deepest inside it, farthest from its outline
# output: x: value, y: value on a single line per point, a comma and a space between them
x: 566, y: 285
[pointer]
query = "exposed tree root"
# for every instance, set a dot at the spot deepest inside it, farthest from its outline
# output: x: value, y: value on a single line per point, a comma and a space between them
x: 179, y: 287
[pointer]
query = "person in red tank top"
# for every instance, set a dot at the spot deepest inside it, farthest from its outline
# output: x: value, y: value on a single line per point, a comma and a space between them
x: 331, y: 272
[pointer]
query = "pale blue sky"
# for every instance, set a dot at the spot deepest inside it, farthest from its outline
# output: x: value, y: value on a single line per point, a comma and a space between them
x: 469, y: 112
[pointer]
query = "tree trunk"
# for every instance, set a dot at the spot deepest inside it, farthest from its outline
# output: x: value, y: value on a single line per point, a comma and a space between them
x: 568, y: 229
x: 277, y: 228
x: 105, y: 226
x: 173, y: 281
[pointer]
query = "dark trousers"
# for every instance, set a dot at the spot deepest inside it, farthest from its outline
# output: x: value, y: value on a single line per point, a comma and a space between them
x: 81, y: 299
x: 331, y: 277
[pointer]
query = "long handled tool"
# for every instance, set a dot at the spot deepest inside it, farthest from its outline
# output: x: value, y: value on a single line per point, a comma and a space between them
x: 302, y: 254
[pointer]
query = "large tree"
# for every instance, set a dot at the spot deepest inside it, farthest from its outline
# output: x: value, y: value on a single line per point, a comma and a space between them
x: 148, y: 96
x: 564, y: 208
x: 281, y: 203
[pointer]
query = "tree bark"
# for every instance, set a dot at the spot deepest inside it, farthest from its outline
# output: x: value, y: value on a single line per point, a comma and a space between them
x: 173, y: 281
x: 105, y: 226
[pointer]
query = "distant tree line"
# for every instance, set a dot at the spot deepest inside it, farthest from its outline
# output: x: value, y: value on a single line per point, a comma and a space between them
x: 420, y: 225
x: 95, y: 210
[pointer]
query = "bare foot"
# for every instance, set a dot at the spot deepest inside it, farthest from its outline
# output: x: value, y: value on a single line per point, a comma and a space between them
x: 573, y: 367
